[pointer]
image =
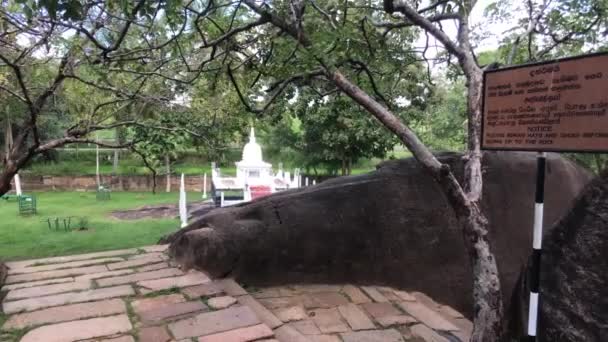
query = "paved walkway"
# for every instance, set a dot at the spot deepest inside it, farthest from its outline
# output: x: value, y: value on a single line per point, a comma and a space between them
x: 138, y: 295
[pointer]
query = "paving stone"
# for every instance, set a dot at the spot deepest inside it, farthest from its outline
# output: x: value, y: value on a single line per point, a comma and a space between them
x: 155, y: 248
x: 324, y: 338
x: 103, y: 275
x: 231, y: 287
x: 355, y: 317
x: 378, y: 310
x: 38, y: 291
x: 290, y: 314
x: 37, y: 283
x: 171, y: 311
x: 306, y: 327
x: 271, y: 292
x: 374, y: 294
x: 53, y: 267
x: 281, y: 302
x: 427, y: 334
x: 324, y: 300
x: 79, y: 330
x: 135, y: 262
x: 427, y: 316
x: 204, y: 290
x: 221, y: 302
x: 31, y: 304
x: 148, y: 256
x: 264, y: 314
x: 135, y: 277
x: 315, y: 288
x: 214, y: 322
x: 426, y: 300
x: 153, y: 267
x: 389, y: 335
x: 190, y: 279
x: 449, y: 311
x: 125, y: 338
x: 405, y: 296
x: 153, y: 334
x: 388, y: 293
x: 68, y: 258
x: 389, y: 321
x: 355, y: 294
x: 287, y: 333
x: 18, y: 278
x: 329, y: 321
x: 66, y: 313
x: 146, y: 304
x: 240, y: 335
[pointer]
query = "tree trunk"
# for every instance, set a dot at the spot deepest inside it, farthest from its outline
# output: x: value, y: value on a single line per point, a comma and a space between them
x: 115, y: 164
x: 97, y: 177
x: 168, y: 172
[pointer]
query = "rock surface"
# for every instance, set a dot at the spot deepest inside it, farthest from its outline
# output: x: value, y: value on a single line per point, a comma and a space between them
x: 392, y: 226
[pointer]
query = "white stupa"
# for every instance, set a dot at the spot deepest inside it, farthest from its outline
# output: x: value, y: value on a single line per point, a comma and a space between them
x: 252, y: 169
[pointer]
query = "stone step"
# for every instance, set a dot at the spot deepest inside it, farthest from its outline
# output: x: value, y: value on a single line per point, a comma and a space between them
x: 79, y: 330
x: 31, y: 304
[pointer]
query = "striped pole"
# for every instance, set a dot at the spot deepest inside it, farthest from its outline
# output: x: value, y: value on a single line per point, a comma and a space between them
x: 537, y: 246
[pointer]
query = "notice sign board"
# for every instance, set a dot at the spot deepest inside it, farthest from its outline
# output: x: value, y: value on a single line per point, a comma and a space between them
x: 560, y: 105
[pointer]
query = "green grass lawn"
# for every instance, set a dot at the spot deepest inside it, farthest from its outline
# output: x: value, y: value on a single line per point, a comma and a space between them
x: 29, y: 237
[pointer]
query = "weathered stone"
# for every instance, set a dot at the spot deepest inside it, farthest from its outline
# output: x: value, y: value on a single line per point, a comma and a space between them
x: 355, y: 294
x: 240, y: 335
x: 155, y: 248
x: 66, y: 313
x: 329, y: 321
x: 316, y: 288
x: 146, y: 304
x: 36, y: 283
x: 389, y: 321
x: 38, y: 291
x: 171, y: 311
x: 405, y: 296
x: 154, y: 334
x: 68, y: 258
x: 390, y: 335
x: 203, y: 290
x: 282, y: 302
x: 231, y: 287
x: 153, y: 267
x: 324, y: 300
x: 125, y: 338
x: 426, y: 300
x: 266, y: 293
x: 148, y: 256
x: 429, y: 317
x: 306, y: 327
x: 214, y: 322
x: 190, y: 279
x: 135, y: 262
x: 324, y: 338
x: 355, y: 317
x: 221, y: 302
x: 427, y: 334
x: 264, y: 314
x: 79, y: 330
x: 290, y: 314
x: 103, y: 275
x: 323, y: 235
x: 135, y: 277
x: 287, y: 333
x: 374, y: 294
x: 18, y: 278
x: 67, y: 298
x: 53, y: 267
x: 378, y: 310
x: 448, y: 311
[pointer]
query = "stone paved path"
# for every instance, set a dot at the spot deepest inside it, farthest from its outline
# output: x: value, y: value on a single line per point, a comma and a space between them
x: 138, y: 295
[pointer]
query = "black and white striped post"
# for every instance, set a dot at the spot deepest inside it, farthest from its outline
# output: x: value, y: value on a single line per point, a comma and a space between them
x: 536, y: 246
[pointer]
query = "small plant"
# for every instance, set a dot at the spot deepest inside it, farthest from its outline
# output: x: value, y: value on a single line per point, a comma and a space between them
x: 83, y: 223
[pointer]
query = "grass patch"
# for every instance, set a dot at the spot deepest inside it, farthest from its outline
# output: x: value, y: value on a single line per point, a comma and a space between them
x: 29, y: 237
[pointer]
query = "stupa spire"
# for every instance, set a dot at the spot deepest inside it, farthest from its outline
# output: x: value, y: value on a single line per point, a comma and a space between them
x: 252, y: 135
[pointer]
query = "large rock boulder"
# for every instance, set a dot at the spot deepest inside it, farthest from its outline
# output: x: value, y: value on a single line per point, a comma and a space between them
x: 392, y: 226
x: 574, y: 274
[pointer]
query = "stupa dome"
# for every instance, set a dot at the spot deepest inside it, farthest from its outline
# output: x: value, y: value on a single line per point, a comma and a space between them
x: 252, y: 152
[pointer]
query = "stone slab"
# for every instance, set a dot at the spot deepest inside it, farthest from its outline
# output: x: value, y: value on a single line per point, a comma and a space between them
x: 405, y: 296
x: 66, y: 313
x: 125, y: 338
x: 204, y: 290
x: 190, y: 279
x: 214, y: 322
x: 154, y: 334
x: 247, y: 334
x: 263, y: 314
x: 135, y: 277
x: 378, y: 310
x: 306, y: 327
x: 329, y: 321
x: 153, y: 267
x: 290, y: 314
x: 389, y: 321
x: 223, y: 302
x: 18, y: 278
x: 171, y: 311
x: 315, y: 288
x: 374, y: 294
x: 68, y: 258
x: 148, y: 256
x: 324, y: 338
x: 427, y: 334
x: 134, y: 263
x: 106, y: 274
x: 37, y: 283
x: 355, y: 317
x: 79, y: 330
x: 355, y: 294
x: 155, y: 248
x: 287, y: 333
x: 38, y: 291
x: 427, y: 316
x: 53, y: 267
x: 324, y: 300
x: 146, y: 304
x: 389, y: 335
x: 31, y: 304
x: 231, y: 287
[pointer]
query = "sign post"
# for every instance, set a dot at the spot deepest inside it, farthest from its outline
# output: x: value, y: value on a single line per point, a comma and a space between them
x: 559, y: 106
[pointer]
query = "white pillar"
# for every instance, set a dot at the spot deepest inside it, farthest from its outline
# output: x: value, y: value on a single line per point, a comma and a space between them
x: 205, y: 185
x: 222, y: 199
x: 183, y: 209
x: 17, y: 184
x: 314, y: 182
x: 306, y: 181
